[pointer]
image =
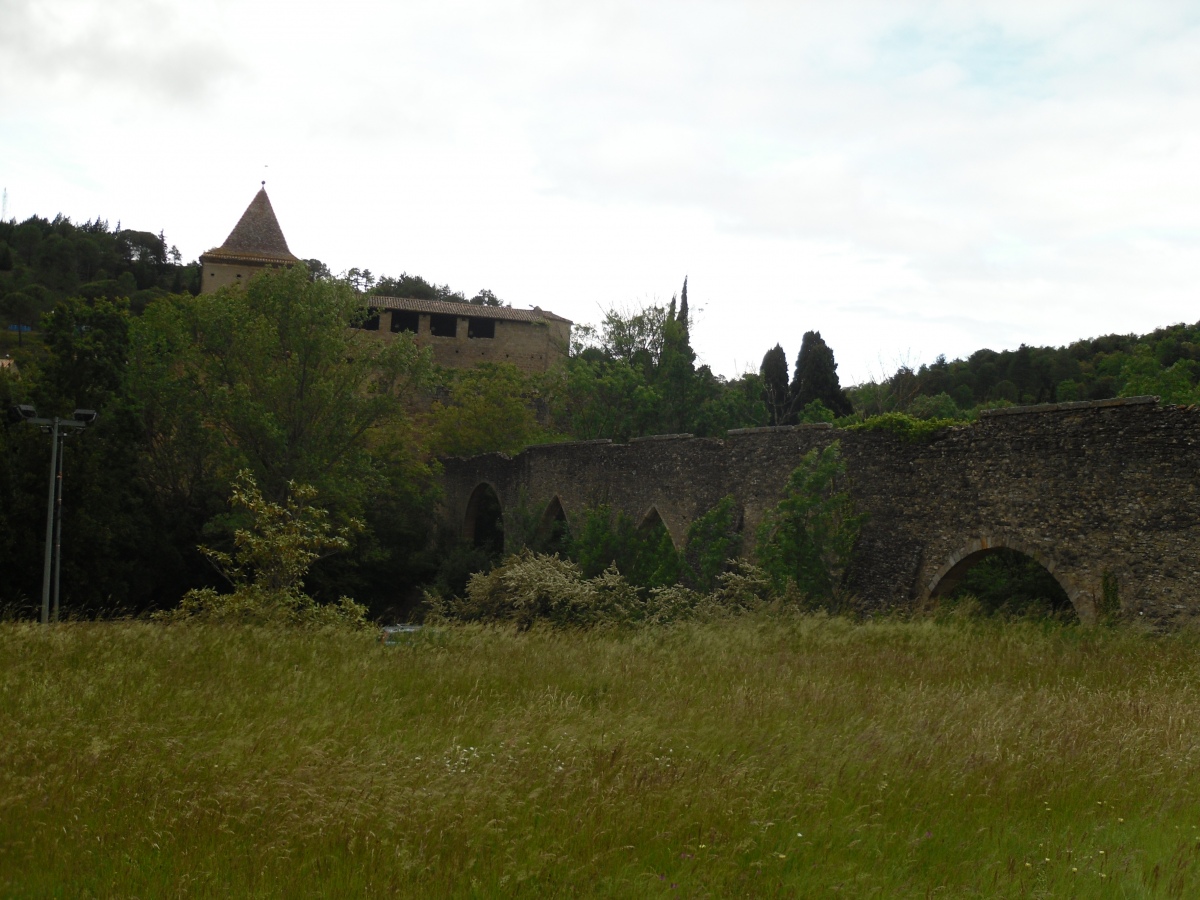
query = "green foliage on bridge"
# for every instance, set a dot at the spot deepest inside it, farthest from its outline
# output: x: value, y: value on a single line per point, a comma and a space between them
x: 908, y: 427
x: 805, y: 542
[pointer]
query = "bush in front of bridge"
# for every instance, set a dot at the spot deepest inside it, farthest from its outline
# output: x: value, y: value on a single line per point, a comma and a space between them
x: 529, y: 588
x: 805, y: 542
x: 272, y: 555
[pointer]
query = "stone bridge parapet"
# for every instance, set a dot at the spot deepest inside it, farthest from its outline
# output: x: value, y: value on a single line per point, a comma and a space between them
x: 1103, y: 494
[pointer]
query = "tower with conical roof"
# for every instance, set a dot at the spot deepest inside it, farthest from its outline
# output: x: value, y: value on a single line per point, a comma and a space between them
x: 256, y: 243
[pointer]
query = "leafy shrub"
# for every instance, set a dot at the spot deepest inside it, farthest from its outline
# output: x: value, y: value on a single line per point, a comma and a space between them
x: 908, y: 427
x: 528, y: 588
x: 458, y: 561
x: 645, y: 556
x: 713, y: 540
x: 940, y: 406
x: 807, y: 539
x: 270, y: 560
x: 815, y: 412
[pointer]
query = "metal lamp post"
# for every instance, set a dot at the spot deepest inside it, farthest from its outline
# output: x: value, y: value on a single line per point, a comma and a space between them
x: 58, y: 429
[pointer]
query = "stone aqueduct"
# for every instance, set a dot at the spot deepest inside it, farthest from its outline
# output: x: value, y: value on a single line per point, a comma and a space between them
x: 1103, y: 494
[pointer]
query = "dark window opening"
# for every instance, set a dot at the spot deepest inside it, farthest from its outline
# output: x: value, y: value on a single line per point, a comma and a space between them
x: 481, y: 328
x: 443, y: 325
x: 370, y: 323
x: 405, y: 321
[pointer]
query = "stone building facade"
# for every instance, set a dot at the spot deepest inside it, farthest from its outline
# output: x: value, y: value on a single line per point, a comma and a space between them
x: 1103, y: 494
x: 459, y: 334
x: 462, y: 335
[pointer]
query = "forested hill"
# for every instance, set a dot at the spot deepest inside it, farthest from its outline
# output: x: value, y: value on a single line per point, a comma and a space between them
x: 43, y: 261
x: 1165, y: 362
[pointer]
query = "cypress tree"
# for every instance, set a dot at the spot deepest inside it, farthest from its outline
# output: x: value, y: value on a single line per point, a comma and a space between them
x: 816, y: 377
x: 774, y: 372
x: 683, y: 308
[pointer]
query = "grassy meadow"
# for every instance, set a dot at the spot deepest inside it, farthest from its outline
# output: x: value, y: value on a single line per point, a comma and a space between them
x: 765, y: 755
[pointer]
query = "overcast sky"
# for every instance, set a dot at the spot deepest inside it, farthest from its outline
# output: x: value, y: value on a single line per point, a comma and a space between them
x: 907, y: 178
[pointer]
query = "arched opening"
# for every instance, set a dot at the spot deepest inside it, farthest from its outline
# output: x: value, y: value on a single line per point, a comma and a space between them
x: 553, y: 533
x: 1004, y: 580
x: 653, y: 526
x: 483, y: 527
x: 653, y: 560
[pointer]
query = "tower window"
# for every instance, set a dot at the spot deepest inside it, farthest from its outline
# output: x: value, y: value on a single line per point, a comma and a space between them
x: 481, y: 328
x: 403, y: 320
x: 441, y: 325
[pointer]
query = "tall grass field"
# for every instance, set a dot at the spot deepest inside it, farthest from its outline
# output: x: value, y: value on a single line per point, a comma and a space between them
x: 767, y: 755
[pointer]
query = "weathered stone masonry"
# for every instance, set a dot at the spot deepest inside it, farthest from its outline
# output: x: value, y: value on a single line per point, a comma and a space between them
x: 1100, y: 493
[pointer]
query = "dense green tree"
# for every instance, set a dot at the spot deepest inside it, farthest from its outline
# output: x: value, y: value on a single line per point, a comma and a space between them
x: 417, y: 288
x: 20, y: 310
x: 45, y: 261
x: 675, y: 375
x: 776, y: 393
x: 808, y: 538
x: 1093, y: 369
x: 713, y: 540
x: 644, y: 553
x: 637, y: 375
x: 293, y: 393
x: 270, y: 378
x: 489, y: 408
x: 117, y: 549
x: 816, y: 377
x: 684, y: 316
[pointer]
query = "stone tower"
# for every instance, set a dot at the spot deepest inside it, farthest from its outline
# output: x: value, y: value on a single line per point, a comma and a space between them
x: 255, y: 243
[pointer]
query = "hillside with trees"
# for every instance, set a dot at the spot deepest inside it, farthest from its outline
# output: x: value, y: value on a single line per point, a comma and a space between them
x: 195, y: 389
x: 1165, y: 362
x: 45, y: 261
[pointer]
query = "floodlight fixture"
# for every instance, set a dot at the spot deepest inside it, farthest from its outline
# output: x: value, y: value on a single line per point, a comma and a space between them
x: 21, y: 412
x: 86, y: 416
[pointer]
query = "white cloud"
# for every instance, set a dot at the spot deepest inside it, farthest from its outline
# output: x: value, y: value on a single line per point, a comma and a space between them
x: 909, y: 178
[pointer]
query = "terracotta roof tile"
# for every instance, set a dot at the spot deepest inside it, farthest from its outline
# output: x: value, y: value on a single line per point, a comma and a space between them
x: 257, y: 235
x: 466, y: 310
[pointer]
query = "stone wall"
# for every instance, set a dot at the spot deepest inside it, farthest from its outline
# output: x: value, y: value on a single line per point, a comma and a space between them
x: 215, y: 276
x: 530, y: 346
x: 1100, y: 493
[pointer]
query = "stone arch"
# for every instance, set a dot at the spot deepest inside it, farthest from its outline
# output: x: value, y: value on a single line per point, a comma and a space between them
x: 652, y: 518
x: 483, y: 523
x: 553, y: 531
x: 948, y: 576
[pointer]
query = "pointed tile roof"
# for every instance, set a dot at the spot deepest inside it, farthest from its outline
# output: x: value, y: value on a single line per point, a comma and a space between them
x: 257, y: 236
